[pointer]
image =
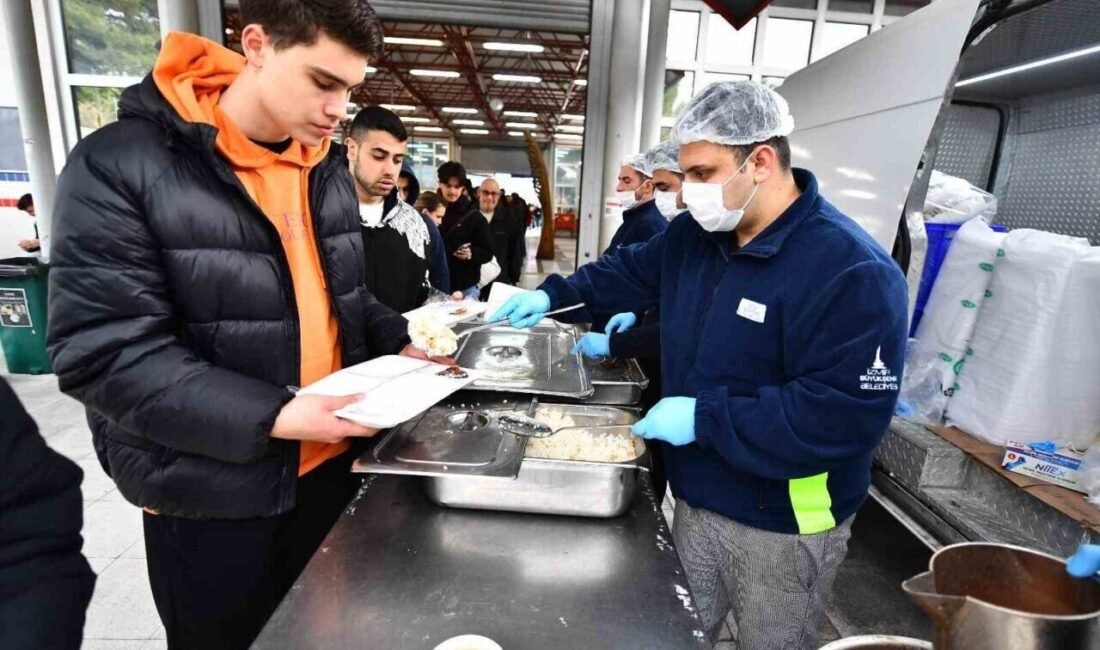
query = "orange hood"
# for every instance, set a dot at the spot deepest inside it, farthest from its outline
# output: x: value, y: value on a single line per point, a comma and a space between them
x: 191, y: 73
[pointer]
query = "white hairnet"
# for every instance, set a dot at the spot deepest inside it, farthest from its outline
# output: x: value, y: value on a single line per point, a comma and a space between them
x: 637, y: 162
x: 664, y: 156
x: 734, y: 113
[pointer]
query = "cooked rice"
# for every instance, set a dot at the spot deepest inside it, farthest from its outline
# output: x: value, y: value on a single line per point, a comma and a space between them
x: 578, y: 444
x: 429, y: 334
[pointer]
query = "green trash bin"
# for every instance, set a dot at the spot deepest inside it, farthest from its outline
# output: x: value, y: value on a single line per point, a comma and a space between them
x: 23, y: 288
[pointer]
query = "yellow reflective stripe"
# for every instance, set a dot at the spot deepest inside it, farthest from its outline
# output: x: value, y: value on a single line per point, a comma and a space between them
x: 811, y: 502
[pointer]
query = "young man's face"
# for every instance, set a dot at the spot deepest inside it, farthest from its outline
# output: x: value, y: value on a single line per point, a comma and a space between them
x: 376, y: 162
x: 629, y: 179
x: 666, y: 181
x: 450, y: 190
x: 304, y: 89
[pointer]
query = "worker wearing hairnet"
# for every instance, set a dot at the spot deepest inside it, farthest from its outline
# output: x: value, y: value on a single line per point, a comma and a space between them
x: 783, y: 328
x: 619, y: 338
x: 634, y: 183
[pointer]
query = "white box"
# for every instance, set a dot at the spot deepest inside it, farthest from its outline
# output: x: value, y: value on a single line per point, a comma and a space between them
x: 1059, y: 467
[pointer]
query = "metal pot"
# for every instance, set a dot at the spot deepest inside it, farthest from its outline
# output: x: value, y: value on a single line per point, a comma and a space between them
x: 983, y: 596
x: 878, y: 642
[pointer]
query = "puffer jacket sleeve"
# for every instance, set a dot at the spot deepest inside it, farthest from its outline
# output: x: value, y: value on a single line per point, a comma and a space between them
x: 112, y: 334
x: 387, y: 330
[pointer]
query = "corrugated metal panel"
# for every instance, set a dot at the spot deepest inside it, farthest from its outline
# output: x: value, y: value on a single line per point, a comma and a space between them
x: 1054, y: 178
x: 571, y: 16
x: 1061, y: 26
x: 968, y: 143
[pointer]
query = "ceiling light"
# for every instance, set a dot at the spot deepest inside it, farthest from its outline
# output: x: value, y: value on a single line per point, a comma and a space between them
x: 514, y: 47
x: 455, y: 109
x: 371, y: 69
x: 475, y: 131
x: 518, y: 78
x: 419, y: 72
x: 569, y: 128
x: 1029, y: 66
x: 398, y: 107
x: 401, y: 40
x: 581, y: 82
x: 516, y: 134
x: 469, y: 122
x: 521, y: 125
x: 568, y: 136
x: 521, y: 114
x: 572, y: 116
x: 416, y: 120
x: 428, y: 129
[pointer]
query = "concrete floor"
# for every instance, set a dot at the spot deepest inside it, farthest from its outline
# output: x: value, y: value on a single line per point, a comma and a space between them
x: 868, y: 598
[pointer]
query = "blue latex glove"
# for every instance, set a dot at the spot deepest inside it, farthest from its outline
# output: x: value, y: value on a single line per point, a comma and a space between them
x: 1085, y: 563
x: 620, y: 323
x: 525, y: 309
x: 593, y: 346
x: 672, y: 420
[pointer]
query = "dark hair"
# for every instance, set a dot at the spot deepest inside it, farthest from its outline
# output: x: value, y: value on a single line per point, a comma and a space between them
x: 780, y: 143
x: 428, y: 201
x: 452, y: 169
x: 376, y: 118
x: 25, y: 202
x: 297, y: 22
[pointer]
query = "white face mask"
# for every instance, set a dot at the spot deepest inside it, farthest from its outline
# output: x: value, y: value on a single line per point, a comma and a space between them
x: 707, y: 207
x: 666, y: 204
x: 627, y: 199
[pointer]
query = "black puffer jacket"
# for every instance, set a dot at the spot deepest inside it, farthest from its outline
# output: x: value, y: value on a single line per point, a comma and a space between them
x: 45, y: 583
x: 172, y: 311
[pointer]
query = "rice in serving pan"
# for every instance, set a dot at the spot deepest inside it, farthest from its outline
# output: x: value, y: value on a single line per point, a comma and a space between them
x: 616, y: 446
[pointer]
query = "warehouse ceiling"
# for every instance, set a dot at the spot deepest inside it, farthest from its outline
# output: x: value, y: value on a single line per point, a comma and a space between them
x: 476, y: 83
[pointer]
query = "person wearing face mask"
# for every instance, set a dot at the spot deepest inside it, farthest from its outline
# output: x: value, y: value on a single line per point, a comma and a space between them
x: 783, y: 330
x: 620, y: 339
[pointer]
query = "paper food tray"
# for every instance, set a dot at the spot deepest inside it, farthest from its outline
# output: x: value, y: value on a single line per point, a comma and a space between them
x: 396, y: 388
x: 450, y: 312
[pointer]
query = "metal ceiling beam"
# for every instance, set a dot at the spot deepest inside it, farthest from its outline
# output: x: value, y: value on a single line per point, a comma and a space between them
x: 460, y: 47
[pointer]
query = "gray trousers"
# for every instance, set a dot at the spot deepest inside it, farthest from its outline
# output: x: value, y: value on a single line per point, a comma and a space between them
x: 775, y: 584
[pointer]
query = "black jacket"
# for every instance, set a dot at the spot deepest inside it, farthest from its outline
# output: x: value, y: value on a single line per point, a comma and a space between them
x: 463, y: 224
x: 172, y: 311
x: 509, y: 246
x: 45, y: 583
x: 397, y: 274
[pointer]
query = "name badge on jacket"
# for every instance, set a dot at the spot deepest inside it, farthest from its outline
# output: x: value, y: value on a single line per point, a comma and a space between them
x: 751, y: 310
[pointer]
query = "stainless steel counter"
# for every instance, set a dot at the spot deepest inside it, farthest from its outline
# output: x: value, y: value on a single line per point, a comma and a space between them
x: 398, y: 572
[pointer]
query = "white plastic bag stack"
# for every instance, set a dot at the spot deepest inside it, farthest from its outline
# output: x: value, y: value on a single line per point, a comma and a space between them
x: 1076, y: 355
x: 955, y: 200
x: 960, y: 288
x: 1013, y: 387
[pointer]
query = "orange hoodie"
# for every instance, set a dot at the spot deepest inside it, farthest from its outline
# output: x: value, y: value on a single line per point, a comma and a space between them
x: 191, y: 73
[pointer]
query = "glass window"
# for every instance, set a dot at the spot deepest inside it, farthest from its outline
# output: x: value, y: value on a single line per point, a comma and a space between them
x: 787, y: 43
x: 707, y: 78
x: 852, y: 6
x: 837, y: 36
x: 426, y: 156
x: 11, y: 141
x: 95, y: 107
x: 796, y: 4
x: 683, y: 35
x: 111, y: 37
x: 773, y: 82
x: 567, y: 177
x: 727, y: 45
x: 678, y: 91
x: 903, y: 7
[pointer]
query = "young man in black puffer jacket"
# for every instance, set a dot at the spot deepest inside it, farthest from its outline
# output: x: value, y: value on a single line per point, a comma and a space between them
x: 208, y: 259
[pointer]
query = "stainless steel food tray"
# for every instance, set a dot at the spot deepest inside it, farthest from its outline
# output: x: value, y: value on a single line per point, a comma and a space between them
x: 537, y: 361
x: 556, y: 487
x: 458, y: 437
x: 616, y: 381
